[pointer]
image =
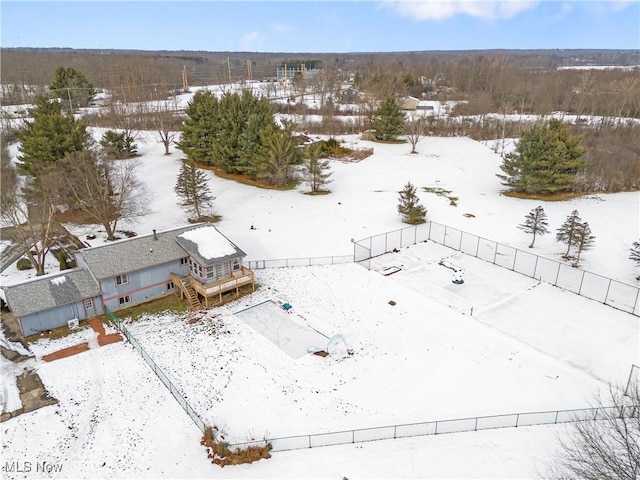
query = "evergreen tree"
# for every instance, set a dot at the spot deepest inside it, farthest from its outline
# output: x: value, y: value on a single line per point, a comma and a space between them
x: 118, y: 145
x: 244, y: 123
x: 635, y: 255
x: 409, y: 206
x: 584, y: 240
x: 192, y: 187
x: 62, y: 260
x: 546, y: 160
x: 568, y: 231
x: 279, y: 152
x: 315, y: 169
x: 228, y: 133
x: 50, y: 136
x: 72, y: 87
x: 388, y: 120
x: 200, y: 128
x: 535, y: 222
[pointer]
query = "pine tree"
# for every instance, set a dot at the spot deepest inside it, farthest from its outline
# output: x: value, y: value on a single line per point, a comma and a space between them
x: 584, y: 240
x: 546, y: 160
x: 315, y: 169
x: 118, y: 145
x: 409, y: 206
x: 200, y: 128
x: 50, y: 136
x: 568, y: 231
x: 388, y: 120
x: 278, y: 153
x: 635, y: 255
x: 192, y: 187
x: 535, y: 222
x: 72, y: 87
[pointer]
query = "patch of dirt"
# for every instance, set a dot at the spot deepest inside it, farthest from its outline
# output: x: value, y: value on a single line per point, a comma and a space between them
x: 66, y: 352
x: 33, y: 395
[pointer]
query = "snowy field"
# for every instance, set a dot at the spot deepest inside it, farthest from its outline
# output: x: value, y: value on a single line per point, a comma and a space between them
x: 527, y: 347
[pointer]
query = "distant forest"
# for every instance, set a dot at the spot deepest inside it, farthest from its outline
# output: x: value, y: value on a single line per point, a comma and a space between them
x: 503, y: 82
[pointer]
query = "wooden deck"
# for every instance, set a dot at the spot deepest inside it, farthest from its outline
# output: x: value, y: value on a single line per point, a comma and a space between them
x: 204, y: 296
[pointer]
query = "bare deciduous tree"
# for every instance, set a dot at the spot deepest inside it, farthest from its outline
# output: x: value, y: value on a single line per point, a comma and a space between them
x: 415, y: 128
x: 605, y: 446
x: 31, y: 212
x: 161, y: 116
x: 108, y: 190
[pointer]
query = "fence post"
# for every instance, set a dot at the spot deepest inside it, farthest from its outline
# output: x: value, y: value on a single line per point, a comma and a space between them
x: 514, y: 260
x: 429, y: 234
x: 353, y: 436
x: 581, y: 280
x: 635, y: 304
x: 309, y: 440
x: 444, y: 238
x: 495, y: 252
x: 436, y: 430
x: 460, y: 245
x: 556, y: 420
x: 475, y: 426
x: 415, y: 234
x: 395, y: 427
x: 401, y: 237
x: 557, y: 274
x: 606, y: 296
x: 517, y: 420
x: 535, y: 267
x: 386, y: 239
x: 477, y: 247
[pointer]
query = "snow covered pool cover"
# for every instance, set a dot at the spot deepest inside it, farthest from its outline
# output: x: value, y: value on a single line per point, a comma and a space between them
x: 284, y: 329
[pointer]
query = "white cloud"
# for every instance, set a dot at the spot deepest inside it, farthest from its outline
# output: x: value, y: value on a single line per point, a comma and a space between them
x: 249, y: 41
x: 442, y: 9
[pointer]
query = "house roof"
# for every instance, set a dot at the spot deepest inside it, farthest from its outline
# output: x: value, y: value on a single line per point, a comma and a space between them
x: 46, y: 292
x: 208, y: 246
x: 134, y: 254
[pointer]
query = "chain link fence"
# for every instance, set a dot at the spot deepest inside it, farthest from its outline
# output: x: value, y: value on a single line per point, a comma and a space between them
x: 611, y: 292
x: 298, y: 262
x: 156, y: 369
x: 440, y: 427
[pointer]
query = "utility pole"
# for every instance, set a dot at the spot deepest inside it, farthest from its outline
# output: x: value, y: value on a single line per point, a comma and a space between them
x: 185, y: 83
x: 249, y: 73
x: 69, y: 95
x: 229, y: 70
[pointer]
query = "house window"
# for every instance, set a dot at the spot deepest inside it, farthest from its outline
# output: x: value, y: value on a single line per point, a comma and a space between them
x: 236, y: 264
x: 88, y: 303
x: 124, y: 300
x: 184, y: 260
x: 210, y: 272
x: 122, y: 279
x: 171, y: 286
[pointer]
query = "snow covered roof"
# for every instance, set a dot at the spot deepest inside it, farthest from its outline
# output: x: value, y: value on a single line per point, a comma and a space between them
x: 208, y: 246
x: 133, y: 254
x: 45, y: 292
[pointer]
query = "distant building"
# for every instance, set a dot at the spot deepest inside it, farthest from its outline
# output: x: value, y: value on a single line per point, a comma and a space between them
x: 422, y: 107
x: 196, y: 261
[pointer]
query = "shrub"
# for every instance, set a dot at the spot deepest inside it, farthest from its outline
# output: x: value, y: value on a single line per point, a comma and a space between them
x: 24, y: 264
x: 220, y: 454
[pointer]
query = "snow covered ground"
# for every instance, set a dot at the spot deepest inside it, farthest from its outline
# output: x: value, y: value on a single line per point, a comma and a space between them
x: 527, y: 347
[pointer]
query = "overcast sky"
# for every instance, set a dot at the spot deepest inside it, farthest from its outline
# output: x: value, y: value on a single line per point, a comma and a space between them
x: 322, y: 26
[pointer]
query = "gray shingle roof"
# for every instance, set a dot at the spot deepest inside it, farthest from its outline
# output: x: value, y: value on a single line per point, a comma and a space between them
x: 134, y: 254
x: 43, y: 293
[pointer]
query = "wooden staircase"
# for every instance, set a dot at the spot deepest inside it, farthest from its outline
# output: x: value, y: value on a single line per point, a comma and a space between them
x: 192, y: 298
x: 187, y: 292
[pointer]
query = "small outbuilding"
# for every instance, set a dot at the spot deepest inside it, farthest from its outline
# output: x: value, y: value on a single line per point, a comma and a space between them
x: 51, y: 301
